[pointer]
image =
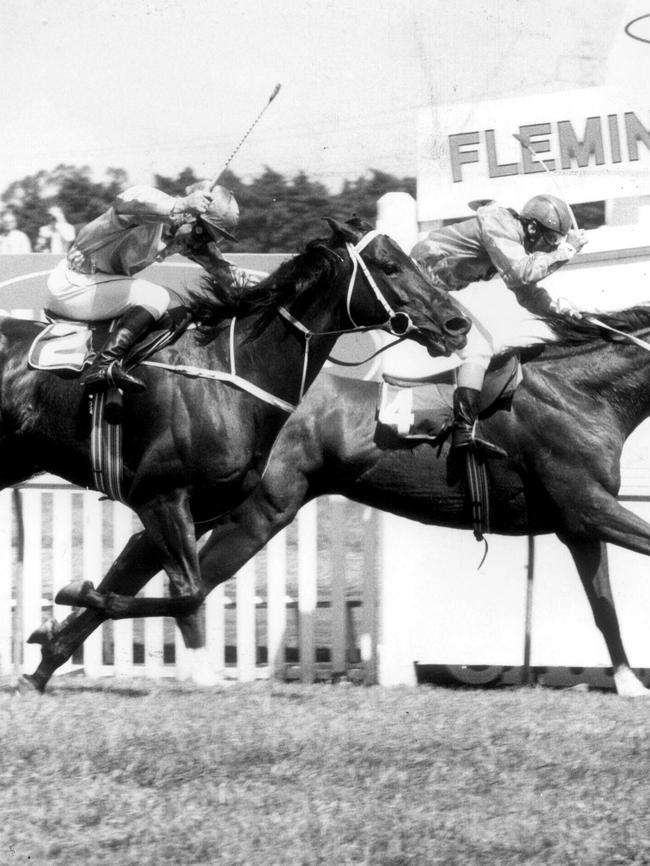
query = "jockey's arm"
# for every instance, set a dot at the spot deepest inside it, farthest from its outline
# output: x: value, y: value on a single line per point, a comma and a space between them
x: 146, y: 204
x: 521, y: 271
x: 503, y: 239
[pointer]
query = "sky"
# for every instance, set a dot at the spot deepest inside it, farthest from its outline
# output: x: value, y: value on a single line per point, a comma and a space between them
x: 157, y: 86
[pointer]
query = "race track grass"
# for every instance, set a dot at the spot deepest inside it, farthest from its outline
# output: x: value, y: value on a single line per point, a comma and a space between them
x: 272, y: 774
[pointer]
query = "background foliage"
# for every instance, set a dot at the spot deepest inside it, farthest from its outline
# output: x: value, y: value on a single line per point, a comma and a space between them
x: 278, y: 214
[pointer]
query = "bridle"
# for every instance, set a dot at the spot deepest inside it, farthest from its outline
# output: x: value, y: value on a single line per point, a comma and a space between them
x: 357, y: 262
x: 397, y: 330
x: 399, y: 324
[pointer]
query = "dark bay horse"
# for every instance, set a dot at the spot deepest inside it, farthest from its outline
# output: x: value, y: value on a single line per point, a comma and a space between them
x: 564, y: 432
x: 194, y: 448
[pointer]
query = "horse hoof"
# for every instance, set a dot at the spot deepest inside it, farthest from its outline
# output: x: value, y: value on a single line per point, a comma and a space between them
x: 29, y: 685
x: 75, y: 593
x: 45, y: 632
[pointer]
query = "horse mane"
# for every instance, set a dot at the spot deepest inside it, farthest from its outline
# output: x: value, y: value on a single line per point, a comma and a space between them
x: 580, y: 333
x: 224, y: 296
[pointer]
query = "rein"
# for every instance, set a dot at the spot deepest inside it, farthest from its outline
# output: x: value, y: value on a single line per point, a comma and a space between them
x: 234, y: 379
x: 629, y: 337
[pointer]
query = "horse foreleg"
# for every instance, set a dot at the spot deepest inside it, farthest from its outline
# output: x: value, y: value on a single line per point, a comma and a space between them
x: 168, y: 523
x: 244, y: 532
x: 135, y: 566
x: 590, y: 558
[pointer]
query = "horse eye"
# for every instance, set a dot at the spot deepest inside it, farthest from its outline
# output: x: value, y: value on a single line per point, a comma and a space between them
x: 389, y: 268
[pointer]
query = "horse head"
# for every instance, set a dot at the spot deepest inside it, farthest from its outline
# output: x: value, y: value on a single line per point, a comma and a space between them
x: 402, y: 296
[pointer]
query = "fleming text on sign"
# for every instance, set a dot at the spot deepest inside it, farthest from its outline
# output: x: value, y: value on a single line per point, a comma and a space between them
x: 600, y: 145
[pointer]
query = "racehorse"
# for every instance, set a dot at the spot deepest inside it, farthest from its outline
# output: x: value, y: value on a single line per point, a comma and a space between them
x: 194, y: 448
x: 564, y: 430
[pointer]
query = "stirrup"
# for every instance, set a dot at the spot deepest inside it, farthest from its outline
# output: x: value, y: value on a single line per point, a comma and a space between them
x: 465, y: 438
x: 111, y: 376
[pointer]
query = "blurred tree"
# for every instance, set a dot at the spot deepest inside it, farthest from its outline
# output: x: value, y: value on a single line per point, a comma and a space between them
x: 359, y: 197
x: 277, y: 214
x: 175, y: 185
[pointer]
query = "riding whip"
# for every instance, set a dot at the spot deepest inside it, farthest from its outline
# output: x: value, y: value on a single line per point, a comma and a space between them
x: 275, y: 92
x: 524, y: 143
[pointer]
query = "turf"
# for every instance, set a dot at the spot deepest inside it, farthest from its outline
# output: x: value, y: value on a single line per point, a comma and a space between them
x: 275, y: 774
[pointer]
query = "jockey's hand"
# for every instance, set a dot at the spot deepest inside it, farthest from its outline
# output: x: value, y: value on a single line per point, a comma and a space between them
x: 79, y: 262
x: 193, y: 204
x: 576, y: 238
x: 76, y: 260
x: 565, y: 307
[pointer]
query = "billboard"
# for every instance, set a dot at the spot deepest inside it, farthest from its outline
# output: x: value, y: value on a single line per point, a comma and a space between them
x: 594, y: 142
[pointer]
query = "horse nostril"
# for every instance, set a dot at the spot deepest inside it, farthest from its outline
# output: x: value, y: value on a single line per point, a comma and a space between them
x: 457, y: 325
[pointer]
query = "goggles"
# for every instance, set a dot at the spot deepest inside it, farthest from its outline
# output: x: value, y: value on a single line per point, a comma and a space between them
x: 550, y: 238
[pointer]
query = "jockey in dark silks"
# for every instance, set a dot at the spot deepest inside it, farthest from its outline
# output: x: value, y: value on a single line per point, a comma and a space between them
x: 96, y: 279
x: 523, y: 249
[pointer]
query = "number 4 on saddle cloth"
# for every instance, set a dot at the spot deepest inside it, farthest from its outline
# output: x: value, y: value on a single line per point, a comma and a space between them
x: 422, y: 409
x: 66, y: 345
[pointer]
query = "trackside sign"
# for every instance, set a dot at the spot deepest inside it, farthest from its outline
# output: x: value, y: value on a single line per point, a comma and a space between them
x: 597, y: 146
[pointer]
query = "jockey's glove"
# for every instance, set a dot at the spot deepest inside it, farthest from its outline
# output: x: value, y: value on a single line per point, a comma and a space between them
x: 565, y: 307
x: 576, y: 238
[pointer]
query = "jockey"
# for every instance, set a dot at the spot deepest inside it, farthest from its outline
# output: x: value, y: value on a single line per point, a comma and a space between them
x: 96, y: 279
x: 523, y: 249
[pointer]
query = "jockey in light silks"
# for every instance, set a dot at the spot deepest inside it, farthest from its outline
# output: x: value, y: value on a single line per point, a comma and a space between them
x: 523, y: 249
x: 144, y: 225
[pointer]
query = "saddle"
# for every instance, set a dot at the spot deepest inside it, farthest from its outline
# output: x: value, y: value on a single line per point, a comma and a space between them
x: 422, y: 408
x: 66, y: 344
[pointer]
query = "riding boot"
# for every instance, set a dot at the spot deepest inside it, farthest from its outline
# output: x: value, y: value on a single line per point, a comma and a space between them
x: 106, y: 370
x: 466, y: 409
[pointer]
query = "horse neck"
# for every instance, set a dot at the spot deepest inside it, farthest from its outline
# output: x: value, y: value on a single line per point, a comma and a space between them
x: 631, y: 388
x: 282, y: 358
x: 619, y: 374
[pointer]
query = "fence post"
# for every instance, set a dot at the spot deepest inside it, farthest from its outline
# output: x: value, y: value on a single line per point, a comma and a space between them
x: 122, y: 628
x: 154, y: 631
x: 246, y: 623
x: 215, y: 628
x: 92, y: 570
x: 338, y: 605
x: 31, y: 590
x: 276, y: 594
x: 307, y: 589
x: 6, y: 564
x: 369, y: 637
x: 61, y: 553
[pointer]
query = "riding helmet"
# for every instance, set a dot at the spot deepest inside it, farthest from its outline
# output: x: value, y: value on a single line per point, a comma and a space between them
x: 222, y: 215
x: 550, y: 212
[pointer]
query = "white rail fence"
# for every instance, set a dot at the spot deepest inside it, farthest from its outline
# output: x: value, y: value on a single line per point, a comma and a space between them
x: 304, y: 608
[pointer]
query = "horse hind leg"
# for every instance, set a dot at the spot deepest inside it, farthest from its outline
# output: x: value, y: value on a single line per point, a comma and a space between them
x: 134, y: 567
x: 590, y: 558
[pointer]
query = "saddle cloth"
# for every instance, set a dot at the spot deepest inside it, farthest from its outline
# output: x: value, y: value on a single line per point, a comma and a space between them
x: 422, y: 408
x: 69, y: 345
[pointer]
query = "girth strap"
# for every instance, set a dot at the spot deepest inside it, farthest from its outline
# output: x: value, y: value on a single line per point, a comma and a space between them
x: 105, y: 450
x: 478, y: 489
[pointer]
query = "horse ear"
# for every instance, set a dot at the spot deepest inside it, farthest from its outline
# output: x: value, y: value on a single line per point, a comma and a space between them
x: 343, y: 229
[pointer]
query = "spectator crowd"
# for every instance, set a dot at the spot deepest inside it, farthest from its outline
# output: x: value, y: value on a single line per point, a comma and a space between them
x: 56, y: 236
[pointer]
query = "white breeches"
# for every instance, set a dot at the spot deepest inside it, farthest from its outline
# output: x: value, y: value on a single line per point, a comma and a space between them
x: 93, y: 297
x: 499, y: 323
